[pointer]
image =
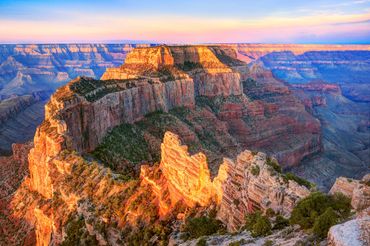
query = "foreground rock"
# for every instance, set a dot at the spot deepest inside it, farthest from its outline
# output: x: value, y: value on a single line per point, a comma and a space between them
x: 355, y: 232
x: 357, y: 190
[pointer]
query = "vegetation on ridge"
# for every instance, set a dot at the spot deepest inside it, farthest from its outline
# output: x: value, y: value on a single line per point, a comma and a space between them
x: 319, y: 212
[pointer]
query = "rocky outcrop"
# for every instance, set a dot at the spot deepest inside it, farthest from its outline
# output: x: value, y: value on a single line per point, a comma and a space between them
x: 357, y: 190
x: 241, y: 186
x: 211, y: 76
x: 355, y: 232
x: 15, y: 230
x: 187, y: 175
x: 249, y: 183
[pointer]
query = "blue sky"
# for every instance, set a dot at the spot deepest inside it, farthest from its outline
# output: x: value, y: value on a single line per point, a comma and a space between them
x: 190, y: 21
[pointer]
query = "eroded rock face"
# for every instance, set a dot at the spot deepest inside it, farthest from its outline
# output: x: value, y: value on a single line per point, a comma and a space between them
x: 238, y: 188
x: 80, y: 114
x: 19, y: 117
x: 357, y: 190
x: 355, y: 232
x: 188, y: 175
x: 249, y: 183
x: 15, y: 230
x: 27, y: 68
x: 204, y: 64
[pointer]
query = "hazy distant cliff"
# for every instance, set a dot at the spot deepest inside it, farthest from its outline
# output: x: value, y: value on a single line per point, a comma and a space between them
x: 28, y: 68
x: 25, y: 69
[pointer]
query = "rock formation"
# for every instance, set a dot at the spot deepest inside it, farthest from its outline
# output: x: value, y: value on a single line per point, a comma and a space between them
x: 241, y: 186
x: 345, y: 135
x: 357, y: 190
x: 19, y: 117
x: 229, y: 107
x: 355, y: 231
x: 350, y: 233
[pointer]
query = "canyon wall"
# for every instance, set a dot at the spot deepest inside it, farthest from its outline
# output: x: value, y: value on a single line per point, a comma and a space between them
x: 26, y: 68
x: 30, y: 69
x: 345, y: 134
x: 19, y: 117
x: 231, y: 105
x: 237, y: 189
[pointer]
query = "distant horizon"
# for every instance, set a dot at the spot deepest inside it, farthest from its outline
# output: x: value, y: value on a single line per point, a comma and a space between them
x: 186, y: 22
x: 168, y: 43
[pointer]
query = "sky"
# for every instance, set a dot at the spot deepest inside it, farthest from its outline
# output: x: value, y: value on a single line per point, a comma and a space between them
x: 185, y: 21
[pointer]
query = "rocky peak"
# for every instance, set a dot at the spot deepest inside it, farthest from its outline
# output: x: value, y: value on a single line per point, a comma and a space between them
x: 241, y: 186
x: 154, y: 57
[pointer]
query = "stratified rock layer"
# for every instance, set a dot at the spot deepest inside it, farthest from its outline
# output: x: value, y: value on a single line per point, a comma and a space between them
x: 357, y: 190
x: 81, y: 113
x: 237, y: 189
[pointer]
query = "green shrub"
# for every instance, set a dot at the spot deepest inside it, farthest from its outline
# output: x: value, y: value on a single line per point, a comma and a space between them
x: 257, y: 224
x: 255, y: 170
x: 274, y: 164
x: 125, y: 143
x: 324, y: 222
x: 254, y: 153
x: 262, y: 227
x: 267, y: 243
x: 270, y: 212
x: 251, y: 219
x: 202, y: 226
x: 314, y: 211
x: 237, y: 243
x: 77, y: 234
x: 299, y: 180
x: 341, y: 204
x: 202, y: 242
x: 280, y: 222
x: 308, y: 209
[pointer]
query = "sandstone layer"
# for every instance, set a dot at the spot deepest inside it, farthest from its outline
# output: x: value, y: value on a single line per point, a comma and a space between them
x: 214, y: 101
x: 237, y: 189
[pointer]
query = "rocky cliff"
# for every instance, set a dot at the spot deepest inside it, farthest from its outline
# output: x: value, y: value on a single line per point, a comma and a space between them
x: 19, y: 117
x: 355, y: 231
x: 28, y: 68
x: 344, y: 130
x: 204, y: 82
x: 237, y: 189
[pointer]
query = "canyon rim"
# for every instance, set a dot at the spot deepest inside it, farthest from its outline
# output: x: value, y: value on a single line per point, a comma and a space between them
x: 192, y: 123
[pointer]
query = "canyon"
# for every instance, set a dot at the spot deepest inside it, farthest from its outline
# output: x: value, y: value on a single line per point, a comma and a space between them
x: 173, y: 131
x: 30, y: 69
x: 43, y: 64
x: 55, y: 193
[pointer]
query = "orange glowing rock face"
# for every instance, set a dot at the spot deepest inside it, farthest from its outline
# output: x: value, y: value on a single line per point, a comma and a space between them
x: 235, y: 189
x: 188, y: 175
x: 78, y: 117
